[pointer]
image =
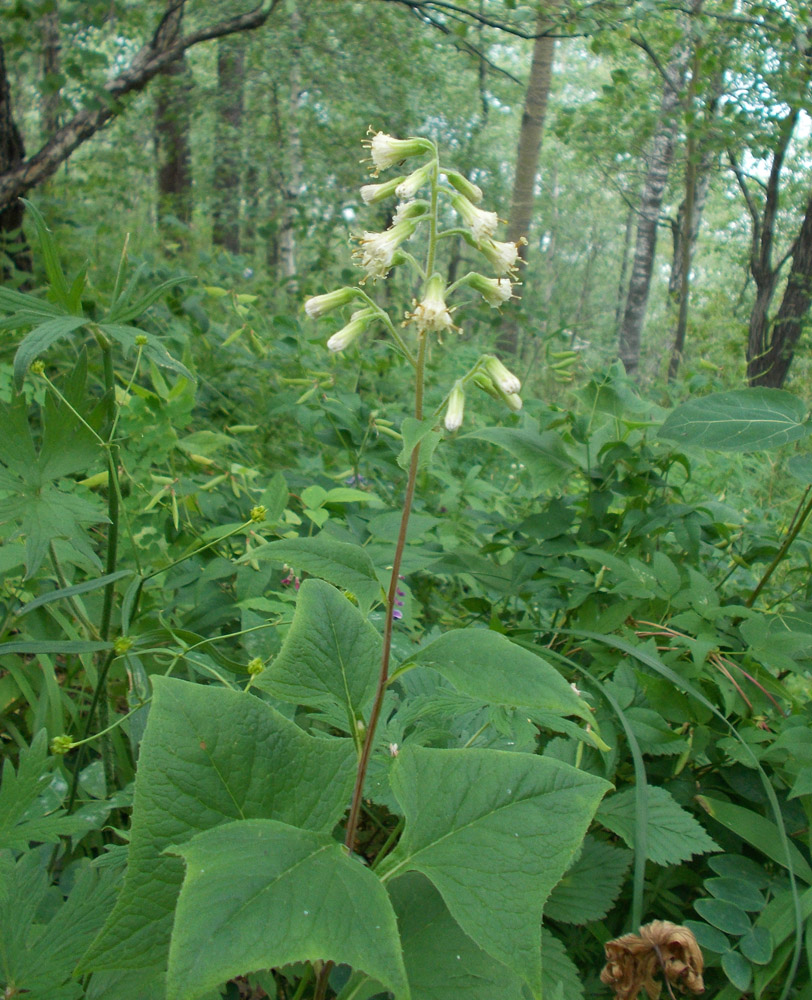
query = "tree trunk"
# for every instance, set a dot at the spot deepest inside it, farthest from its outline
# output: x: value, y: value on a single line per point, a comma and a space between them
x: 51, y: 74
x: 228, y: 143
x: 172, y: 145
x: 770, y: 368
x: 15, y: 253
x: 624, y: 270
x: 150, y: 60
x: 527, y: 155
x: 660, y: 157
x: 293, y: 155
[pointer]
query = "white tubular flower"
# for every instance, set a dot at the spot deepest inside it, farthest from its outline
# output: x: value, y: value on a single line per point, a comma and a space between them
x: 503, y: 256
x: 495, y: 291
x: 471, y: 191
x: 514, y: 401
x: 373, y: 193
x: 321, y: 304
x: 377, y: 250
x: 482, y: 224
x: 456, y: 407
x: 416, y: 180
x: 348, y: 334
x: 502, y: 377
x: 432, y: 314
x: 387, y: 151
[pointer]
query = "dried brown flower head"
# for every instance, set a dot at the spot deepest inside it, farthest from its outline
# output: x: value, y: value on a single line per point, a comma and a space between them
x: 662, y: 949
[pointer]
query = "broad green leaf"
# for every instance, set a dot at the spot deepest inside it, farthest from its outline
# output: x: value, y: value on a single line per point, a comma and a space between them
x: 340, y: 563
x: 494, y: 831
x: 673, y: 834
x: 269, y: 894
x: 330, y: 657
x: 40, y: 934
x: 210, y: 756
x: 442, y: 962
x: 756, y: 945
x: 544, y: 455
x: 486, y: 665
x: 65, y: 647
x: 591, y: 885
x: 39, y: 340
x: 418, y: 432
x: 740, y: 420
x: 757, y: 831
x: 726, y: 916
x: 31, y: 307
x: 708, y: 937
x: 559, y: 976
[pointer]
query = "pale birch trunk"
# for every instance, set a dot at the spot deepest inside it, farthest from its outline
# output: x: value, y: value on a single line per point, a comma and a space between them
x: 293, y: 156
x: 659, y: 163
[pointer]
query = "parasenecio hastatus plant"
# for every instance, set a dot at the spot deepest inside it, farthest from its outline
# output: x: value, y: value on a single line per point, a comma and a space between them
x: 245, y: 852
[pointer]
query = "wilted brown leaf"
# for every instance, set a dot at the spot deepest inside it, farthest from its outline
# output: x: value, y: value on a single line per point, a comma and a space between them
x: 661, y: 949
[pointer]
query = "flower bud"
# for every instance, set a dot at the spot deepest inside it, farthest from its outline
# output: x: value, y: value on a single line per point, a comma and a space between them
x: 465, y: 187
x: 502, y: 256
x: 258, y: 513
x: 481, y: 381
x: 482, y: 224
x: 387, y: 151
x: 62, y: 744
x: 348, y: 334
x: 122, y: 644
x: 416, y: 180
x: 409, y: 210
x: 373, y: 193
x: 514, y: 401
x: 495, y: 291
x: 501, y: 376
x: 432, y: 314
x: 321, y: 304
x: 456, y: 407
x: 255, y: 666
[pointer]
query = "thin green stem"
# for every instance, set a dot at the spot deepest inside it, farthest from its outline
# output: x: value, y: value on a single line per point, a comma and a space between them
x: 194, y: 552
x: 802, y: 512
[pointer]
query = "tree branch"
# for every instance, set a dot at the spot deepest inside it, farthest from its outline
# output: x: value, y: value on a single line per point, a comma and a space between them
x: 153, y: 57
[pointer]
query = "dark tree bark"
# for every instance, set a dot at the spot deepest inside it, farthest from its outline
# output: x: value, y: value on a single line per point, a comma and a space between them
x: 771, y: 367
x: 770, y: 345
x: 151, y: 59
x: 14, y: 250
x: 531, y: 133
x: 172, y: 144
x: 228, y: 143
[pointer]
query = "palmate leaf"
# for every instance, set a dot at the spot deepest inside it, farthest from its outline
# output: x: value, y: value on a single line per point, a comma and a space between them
x: 270, y: 894
x: 37, y: 956
x: 740, y: 420
x: 673, y: 835
x: 330, y: 656
x: 210, y: 756
x: 129, y: 336
x: 39, y: 340
x: 495, y: 835
x: 24, y: 817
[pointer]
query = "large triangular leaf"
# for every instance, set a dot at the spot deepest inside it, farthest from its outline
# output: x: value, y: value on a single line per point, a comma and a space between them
x: 673, y: 835
x: 442, y: 962
x: 340, y: 563
x: 495, y: 834
x: 739, y: 420
x: 270, y: 894
x: 545, y: 456
x: 486, y: 665
x: 330, y: 656
x: 210, y: 756
x: 591, y: 884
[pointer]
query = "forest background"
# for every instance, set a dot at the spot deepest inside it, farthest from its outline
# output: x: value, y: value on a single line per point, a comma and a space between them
x: 192, y: 171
